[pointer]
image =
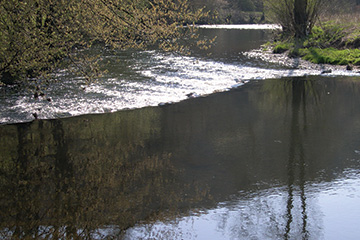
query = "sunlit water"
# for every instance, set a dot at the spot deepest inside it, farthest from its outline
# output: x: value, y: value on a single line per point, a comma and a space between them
x: 265, y: 214
x: 148, y: 78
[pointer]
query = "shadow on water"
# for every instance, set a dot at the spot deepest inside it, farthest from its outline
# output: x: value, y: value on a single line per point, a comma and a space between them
x: 100, y: 176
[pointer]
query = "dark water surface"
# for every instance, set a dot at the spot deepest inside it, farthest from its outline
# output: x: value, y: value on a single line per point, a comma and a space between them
x: 273, y: 159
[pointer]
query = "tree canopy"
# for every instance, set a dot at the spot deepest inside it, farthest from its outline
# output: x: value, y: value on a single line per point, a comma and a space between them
x: 297, y: 17
x: 37, y: 35
x: 230, y: 11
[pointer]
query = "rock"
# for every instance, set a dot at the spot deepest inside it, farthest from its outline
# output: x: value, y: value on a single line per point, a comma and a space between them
x: 164, y: 104
x: 349, y: 67
x: 35, y: 115
x: 237, y: 85
x: 192, y: 95
x: 326, y: 71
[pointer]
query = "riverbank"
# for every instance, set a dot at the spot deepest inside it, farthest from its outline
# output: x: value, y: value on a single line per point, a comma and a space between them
x: 330, y: 46
x: 266, y: 54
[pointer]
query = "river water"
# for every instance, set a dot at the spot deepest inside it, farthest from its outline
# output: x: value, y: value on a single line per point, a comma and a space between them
x: 137, y: 79
x: 275, y: 158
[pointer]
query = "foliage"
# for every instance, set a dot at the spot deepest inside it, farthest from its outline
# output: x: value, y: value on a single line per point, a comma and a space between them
x: 36, y: 35
x: 246, y: 5
x: 230, y: 11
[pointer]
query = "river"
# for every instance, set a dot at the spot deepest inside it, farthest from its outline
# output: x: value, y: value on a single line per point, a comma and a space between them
x: 136, y: 79
x: 261, y: 152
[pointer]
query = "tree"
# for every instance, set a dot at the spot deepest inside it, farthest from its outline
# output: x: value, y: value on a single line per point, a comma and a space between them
x: 246, y: 5
x: 297, y: 17
x: 300, y: 18
x: 37, y: 35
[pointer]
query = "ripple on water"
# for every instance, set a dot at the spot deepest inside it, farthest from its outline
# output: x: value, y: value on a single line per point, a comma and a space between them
x: 155, y: 79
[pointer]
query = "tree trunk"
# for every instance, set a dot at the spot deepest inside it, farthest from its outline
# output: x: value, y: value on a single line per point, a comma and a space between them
x: 300, y: 18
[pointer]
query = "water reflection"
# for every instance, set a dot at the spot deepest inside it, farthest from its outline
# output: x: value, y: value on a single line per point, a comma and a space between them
x: 251, y: 163
x: 73, y: 177
x: 296, y: 153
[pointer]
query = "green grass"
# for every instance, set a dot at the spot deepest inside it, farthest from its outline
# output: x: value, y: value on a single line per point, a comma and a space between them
x: 282, y: 47
x: 331, y: 56
x: 330, y: 43
x: 328, y: 35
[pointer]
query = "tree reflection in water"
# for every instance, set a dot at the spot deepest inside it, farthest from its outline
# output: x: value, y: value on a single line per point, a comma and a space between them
x: 87, y: 177
x: 283, y: 137
x: 296, y: 152
x: 236, y: 165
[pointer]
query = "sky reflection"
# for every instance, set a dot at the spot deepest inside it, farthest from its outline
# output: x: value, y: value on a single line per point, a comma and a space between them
x: 263, y: 215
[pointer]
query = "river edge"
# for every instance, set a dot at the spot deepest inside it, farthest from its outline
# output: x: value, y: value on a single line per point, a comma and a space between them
x: 266, y: 53
x: 283, y: 59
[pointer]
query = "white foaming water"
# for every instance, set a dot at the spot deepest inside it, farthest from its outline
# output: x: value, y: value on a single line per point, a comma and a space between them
x: 157, y: 78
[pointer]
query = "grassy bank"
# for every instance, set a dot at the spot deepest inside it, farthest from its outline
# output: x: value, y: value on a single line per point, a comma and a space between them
x: 332, y: 56
x: 332, y: 42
